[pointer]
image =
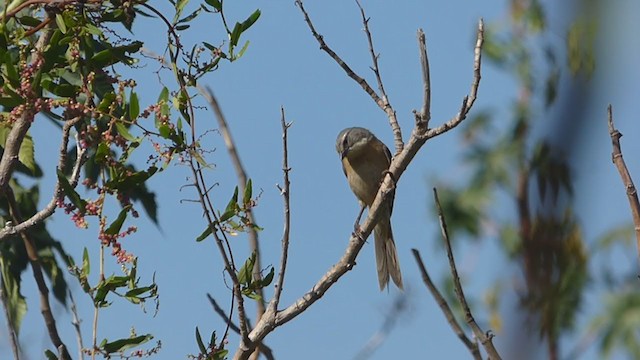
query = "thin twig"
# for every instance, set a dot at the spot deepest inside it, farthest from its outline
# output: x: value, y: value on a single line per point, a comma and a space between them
x: 7, y: 166
x: 386, y: 105
x: 241, y: 174
x: 485, y: 338
x: 470, y: 99
x: 273, y: 319
x: 618, y: 160
x: 382, y: 102
x: 287, y: 213
x: 75, y: 321
x: 424, y: 115
x: 13, y: 337
x: 50, y: 208
x: 262, y: 348
x: 446, y: 309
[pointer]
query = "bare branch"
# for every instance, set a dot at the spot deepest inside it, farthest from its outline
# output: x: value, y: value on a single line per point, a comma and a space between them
x: 485, y: 338
x: 470, y: 99
x: 50, y: 208
x: 386, y: 106
x: 446, y: 309
x: 286, y: 195
x: 226, y: 253
x: 632, y: 194
x: 34, y: 259
x: 242, y: 181
x: 262, y: 348
x: 382, y: 102
x: 273, y: 317
x: 76, y: 325
x: 425, y: 114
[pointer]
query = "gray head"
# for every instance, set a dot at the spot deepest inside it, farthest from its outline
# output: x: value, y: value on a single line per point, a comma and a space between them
x: 352, y: 139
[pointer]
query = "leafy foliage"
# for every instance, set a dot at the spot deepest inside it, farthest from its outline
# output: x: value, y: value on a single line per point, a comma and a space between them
x: 63, y: 63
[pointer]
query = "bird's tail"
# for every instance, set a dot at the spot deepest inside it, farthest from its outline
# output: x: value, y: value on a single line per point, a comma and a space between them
x: 386, y: 255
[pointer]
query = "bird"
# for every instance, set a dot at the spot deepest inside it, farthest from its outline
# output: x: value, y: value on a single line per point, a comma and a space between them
x: 365, y: 161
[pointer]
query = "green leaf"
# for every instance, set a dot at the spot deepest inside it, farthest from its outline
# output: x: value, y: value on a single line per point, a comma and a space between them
x: 215, y: 4
x: 203, y: 349
x: 134, y: 106
x: 70, y: 192
x: 248, y: 193
x: 191, y: 16
x: 266, y: 281
x: 124, y: 132
x: 227, y: 215
x: 221, y: 355
x: 164, y: 95
x: 196, y: 155
x: 165, y: 131
x: 124, y: 344
x: 241, y: 52
x: 106, y: 101
x: 246, y: 271
x: 136, y: 292
x: 86, y: 265
x: 250, y: 20
x: 115, y: 226
x: 233, y: 202
x: 235, y: 35
x: 115, y: 55
x: 204, y: 234
x: 50, y: 355
x: 61, y: 25
x: 26, y: 154
x: 180, y: 5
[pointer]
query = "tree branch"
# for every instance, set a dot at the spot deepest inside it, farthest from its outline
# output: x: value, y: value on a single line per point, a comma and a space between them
x: 470, y: 99
x: 386, y: 106
x: 262, y: 348
x: 34, y: 259
x: 485, y: 338
x: 274, y: 318
x: 286, y: 195
x: 425, y: 114
x: 50, y: 208
x: 241, y: 174
x: 446, y: 309
x: 76, y: 325
x: 632, y: 194
x: 383, y: 102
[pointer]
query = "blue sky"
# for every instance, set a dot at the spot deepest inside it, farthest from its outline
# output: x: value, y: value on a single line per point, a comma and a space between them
x: 284, y: 67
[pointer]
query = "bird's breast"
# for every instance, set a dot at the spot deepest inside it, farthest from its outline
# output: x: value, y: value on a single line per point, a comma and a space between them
x: 364, y: 177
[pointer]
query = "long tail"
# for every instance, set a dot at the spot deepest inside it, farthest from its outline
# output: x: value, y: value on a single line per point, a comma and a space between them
x: 386, y: 255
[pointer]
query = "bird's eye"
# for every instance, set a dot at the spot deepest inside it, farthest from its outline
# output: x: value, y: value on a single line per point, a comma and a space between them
x: 345, y: 143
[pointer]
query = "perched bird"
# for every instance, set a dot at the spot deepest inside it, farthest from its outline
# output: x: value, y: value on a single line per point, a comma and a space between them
x: 365, y: 159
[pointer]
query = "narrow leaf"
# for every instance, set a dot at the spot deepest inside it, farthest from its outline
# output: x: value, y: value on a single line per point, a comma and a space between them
x: 86, y: 265
x: 244, y: 275
x: 248, y: 193
x: 115, y: 226
x: 203, y: 349
x: 124, y: 344
x: 61, y: 25
x: 134, y: 106
x: 124, y: 132
x: 204, y: 234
